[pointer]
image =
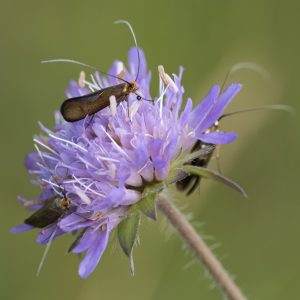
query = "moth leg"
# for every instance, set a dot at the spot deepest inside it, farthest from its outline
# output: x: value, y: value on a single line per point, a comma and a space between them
x: 90, y: 121
x: 194, y: 186
x: 218, y: 156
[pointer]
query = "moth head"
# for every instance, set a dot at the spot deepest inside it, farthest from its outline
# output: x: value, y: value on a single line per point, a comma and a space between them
x: 132, y: 87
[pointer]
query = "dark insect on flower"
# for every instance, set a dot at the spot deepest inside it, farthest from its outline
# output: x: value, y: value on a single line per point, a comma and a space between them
x: 192, y: 181
x: 53, y: 209
x: 78, y: 108
x: 115, y: 167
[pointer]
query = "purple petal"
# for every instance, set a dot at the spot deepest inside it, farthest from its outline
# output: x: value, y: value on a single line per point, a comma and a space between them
x: 168, y: 153
x: 74, y: 222
x: 147, y: 172
x: 162, y: 172
x: 86, y: 241
x: 75, y: 90
x: 134, y: 179
x: 201, y: 111
x: 115, y: 70
x: 93, y: 255
x: 218, y: 138
x: 217, y: 109
x: 21, y: 228
x: 141, y: 155
x: 130, y: 197
x: 31, y: 160
x: 46, y: 234
x: 114, y: 197
x: 159, y: 163
x: 186, y: 113
x: 156, y: 148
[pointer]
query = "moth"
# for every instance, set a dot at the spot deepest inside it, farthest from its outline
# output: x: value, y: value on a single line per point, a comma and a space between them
x: 75, y: 109
x: 53, y: 209
x: 192, y: 181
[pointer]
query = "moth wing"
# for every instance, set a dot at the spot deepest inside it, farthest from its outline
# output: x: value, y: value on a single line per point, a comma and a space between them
x: 75, y: 109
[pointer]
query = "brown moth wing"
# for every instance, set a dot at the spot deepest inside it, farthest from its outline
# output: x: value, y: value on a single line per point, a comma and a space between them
x: 75, y: 109
x: 46, y: 215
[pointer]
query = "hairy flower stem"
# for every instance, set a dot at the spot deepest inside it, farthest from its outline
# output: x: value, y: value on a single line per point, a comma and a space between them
x: 198, y: 246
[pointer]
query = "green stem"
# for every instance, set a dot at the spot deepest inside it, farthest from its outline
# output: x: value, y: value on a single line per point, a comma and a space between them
x: 201, y: 250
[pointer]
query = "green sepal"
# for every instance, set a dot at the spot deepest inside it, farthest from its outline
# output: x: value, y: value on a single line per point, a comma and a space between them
x: 147, y: 205
x: 128, y: 234
x: 211, y: 174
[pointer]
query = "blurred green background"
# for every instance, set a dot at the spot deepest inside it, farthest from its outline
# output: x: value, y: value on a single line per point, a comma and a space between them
x: 257, y: 239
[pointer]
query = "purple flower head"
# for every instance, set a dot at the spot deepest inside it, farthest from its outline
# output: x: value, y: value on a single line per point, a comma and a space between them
x: 109, y: 165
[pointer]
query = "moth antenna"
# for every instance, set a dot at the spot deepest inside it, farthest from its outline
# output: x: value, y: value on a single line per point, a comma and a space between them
x: 140, y: 97
x: 247, y: 66
x: 135, y: 42
x: 71, y: 61
x: 149, y: 100
x: 282, y: 107
x: 45, y: 253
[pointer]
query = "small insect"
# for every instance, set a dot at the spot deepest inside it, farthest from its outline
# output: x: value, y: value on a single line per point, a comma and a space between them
x: 53, y: 209
x: 77, y: 108
x: 191, y: 182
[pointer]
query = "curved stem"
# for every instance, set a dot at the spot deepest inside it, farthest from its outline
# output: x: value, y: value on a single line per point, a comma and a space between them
x: 198, y: 246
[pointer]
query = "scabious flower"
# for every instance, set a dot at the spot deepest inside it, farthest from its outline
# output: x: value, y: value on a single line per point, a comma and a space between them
x: 112, y: 165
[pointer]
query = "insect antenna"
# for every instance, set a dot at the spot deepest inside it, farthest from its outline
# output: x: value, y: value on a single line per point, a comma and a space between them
x: 140, y: 97
x: 282, y: 107
x: 46, y: 252
x: 246, y: 66
x: 72, y: 61
x: 236, y: 67
x: 135, y: 42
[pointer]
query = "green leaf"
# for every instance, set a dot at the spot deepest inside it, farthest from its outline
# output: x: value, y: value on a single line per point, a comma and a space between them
x: 147, y: 205
x: 211, y: 174
x: 127, y: 234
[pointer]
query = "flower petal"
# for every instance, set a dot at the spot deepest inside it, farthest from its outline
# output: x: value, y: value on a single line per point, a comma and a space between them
x: 202, y: 110
x: 21, y: 228
x: 218, y: 138
x: 73, y: 222
x: 217, y: 109
x: 116, y: 68
x: 86, y: 241
x: 46, y: 234
x: 93, y: 255
x: 75, y: 90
